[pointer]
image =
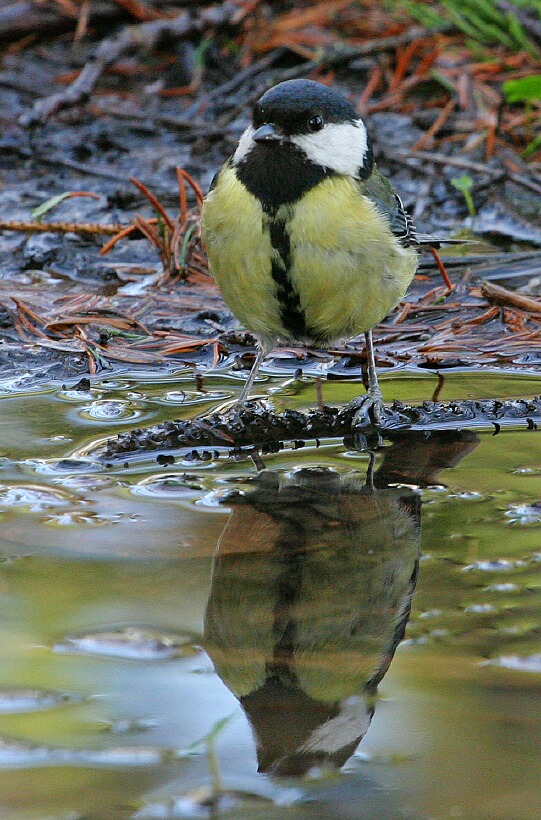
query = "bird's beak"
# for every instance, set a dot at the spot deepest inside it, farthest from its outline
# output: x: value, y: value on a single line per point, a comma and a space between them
x: 268, y: 133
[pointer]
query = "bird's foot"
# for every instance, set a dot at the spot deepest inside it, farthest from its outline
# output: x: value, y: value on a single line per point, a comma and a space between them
x: 369, y: 412
x: 367, y: 421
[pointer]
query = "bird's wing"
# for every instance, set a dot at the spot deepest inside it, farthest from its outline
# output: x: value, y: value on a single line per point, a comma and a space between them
x: 380, y: 191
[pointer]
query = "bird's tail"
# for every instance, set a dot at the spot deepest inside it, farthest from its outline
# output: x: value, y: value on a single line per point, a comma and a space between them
x: 424, y: 240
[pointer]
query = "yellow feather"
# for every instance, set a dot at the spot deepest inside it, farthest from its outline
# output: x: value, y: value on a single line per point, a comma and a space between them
x: 240, y: 253
x: 347, y: 267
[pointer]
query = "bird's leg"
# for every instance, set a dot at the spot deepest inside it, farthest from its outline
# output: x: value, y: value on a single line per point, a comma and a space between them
x: 264, y: 348
x: 245, y: 392
x: 369, y: 408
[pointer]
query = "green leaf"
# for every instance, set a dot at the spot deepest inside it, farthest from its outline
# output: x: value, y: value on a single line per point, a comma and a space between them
x: 532, y: 147
x: 526, y: 89
x: 425, y: 15
x: 463, y: 183
x: 211, y: 736
x: 48, y: 205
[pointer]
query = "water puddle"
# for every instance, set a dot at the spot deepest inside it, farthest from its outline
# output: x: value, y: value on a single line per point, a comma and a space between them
x: 325, y: 638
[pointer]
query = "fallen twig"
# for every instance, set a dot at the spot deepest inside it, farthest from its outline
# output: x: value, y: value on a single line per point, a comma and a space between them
x: 144, y: 35
x: 92, y: 228
x: 468, y: 165
x: 509, y: 298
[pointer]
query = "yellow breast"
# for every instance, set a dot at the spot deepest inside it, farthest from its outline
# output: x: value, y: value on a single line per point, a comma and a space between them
x: 346, y: 267
x: 349, y: 268
x: 240, y: 253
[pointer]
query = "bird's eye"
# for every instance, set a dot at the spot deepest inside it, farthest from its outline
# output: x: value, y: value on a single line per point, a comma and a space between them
x: 315, y: 123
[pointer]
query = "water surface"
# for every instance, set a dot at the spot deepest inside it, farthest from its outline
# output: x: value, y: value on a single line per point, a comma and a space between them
x: 144, y: 607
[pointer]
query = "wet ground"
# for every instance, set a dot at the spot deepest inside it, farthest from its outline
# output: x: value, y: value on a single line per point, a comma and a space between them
x: 168, y: 630
x: 131, y: 127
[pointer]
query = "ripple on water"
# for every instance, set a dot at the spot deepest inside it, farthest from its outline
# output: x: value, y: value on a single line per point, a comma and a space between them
x: 31, y: 497
x: 497, y: 565
x: 76, y: 518
x: 519, y: 663
x: 191, y: 398
x: 169, y: 486
x: 503, y: 588
x: 111, y: 410
x: 83, y: 466
x: 203, y: 802
x: 479, y: 609
x: 130, y: 642
x: 23, y: 754
x: 18, y: 699
x: 86, y: 483
x: 524, y: 513
x: 214, y: 500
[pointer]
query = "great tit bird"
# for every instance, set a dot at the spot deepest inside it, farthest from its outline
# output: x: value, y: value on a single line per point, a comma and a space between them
x: 306, y: 239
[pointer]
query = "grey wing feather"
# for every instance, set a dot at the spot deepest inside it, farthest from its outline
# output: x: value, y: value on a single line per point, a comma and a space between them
x: 380, y: 191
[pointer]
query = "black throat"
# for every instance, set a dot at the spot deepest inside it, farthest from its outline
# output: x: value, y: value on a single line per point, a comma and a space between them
x: 279, y: 174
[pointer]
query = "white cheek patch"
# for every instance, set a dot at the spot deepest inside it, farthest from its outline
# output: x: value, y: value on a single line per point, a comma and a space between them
x: 342, y: 147
x: 246, y: 143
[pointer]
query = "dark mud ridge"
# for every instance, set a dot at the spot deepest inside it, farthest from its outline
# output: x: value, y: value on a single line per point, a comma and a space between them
x: 267, y: 432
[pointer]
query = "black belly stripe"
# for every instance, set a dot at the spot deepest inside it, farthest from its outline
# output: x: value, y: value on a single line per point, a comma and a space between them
x: 280, y: 174
x: 292, y: 316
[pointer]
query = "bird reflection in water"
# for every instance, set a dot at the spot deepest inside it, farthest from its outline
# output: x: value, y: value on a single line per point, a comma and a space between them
x: 311, y: 592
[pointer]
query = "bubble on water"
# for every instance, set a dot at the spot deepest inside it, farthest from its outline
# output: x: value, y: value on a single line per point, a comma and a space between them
x: 129, y: 642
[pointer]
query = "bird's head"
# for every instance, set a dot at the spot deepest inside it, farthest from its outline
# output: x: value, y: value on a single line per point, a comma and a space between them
x: 314, y: 119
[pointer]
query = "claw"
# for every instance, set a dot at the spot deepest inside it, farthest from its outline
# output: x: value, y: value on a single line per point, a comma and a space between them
x: 370, y: 412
